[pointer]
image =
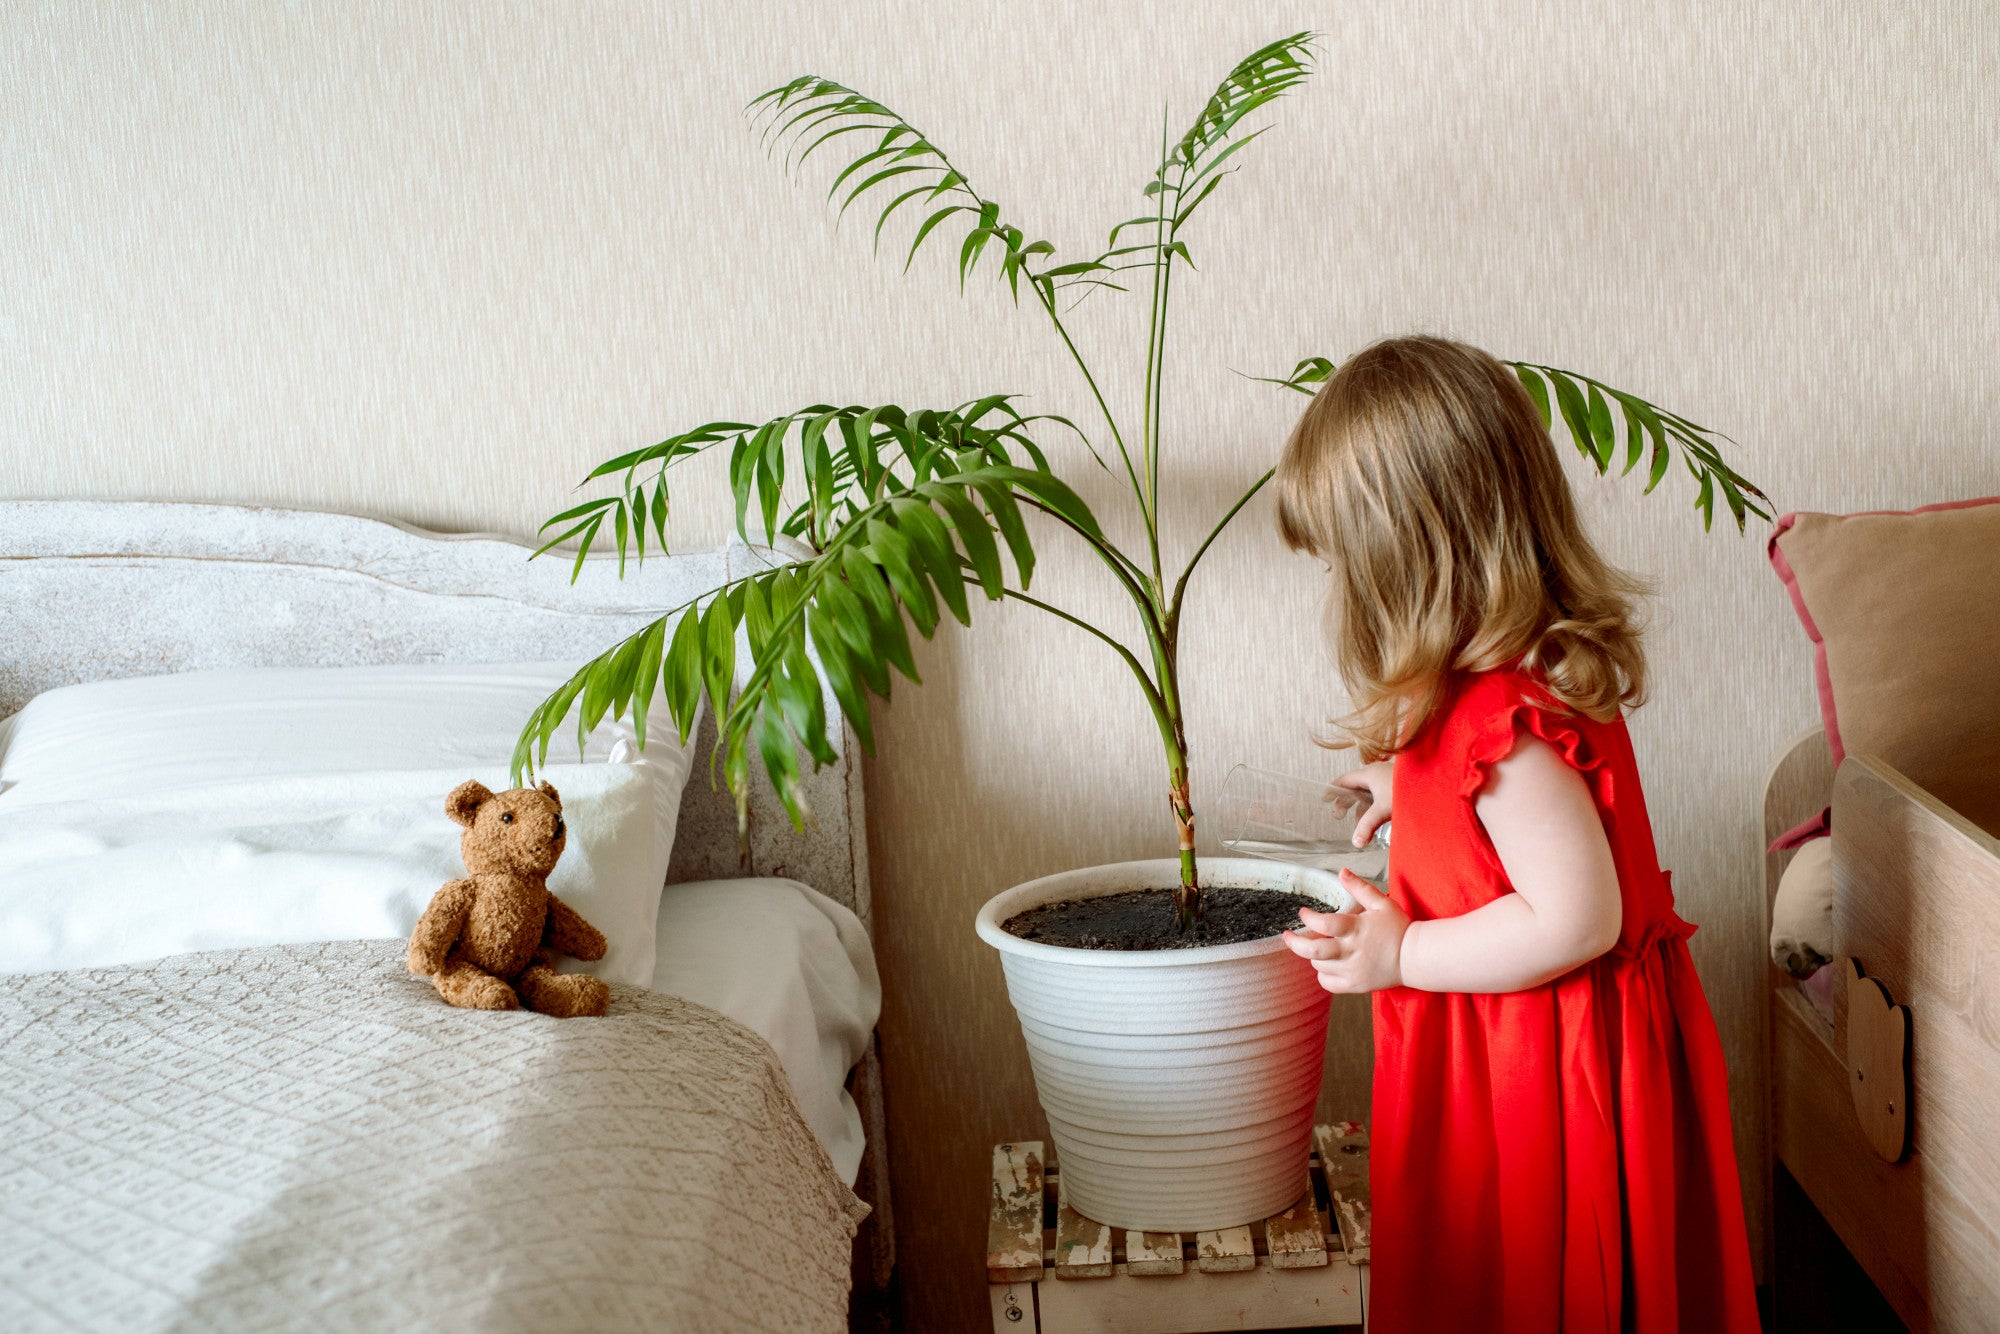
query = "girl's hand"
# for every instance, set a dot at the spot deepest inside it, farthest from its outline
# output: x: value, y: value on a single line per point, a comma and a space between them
x: 1357, y: 951
x: 1378, y: 781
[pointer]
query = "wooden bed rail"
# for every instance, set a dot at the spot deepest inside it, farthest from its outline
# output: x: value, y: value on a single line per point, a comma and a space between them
x: 1917, y: 907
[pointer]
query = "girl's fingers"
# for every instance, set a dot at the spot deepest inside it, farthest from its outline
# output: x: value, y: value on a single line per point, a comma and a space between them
x: 1344, y: 796
x: 1335, y: 983
x: 1309, y: 946
x: 1365, y: 827
x: 1305, y: 944
x: 1365, y: 895
x: 1327, y: 923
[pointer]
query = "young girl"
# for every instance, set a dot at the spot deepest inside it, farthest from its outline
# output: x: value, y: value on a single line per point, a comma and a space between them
x: 1551, y: 1145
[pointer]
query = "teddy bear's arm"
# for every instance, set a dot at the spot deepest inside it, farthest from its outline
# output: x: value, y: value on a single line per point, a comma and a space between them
x: 437, y: 930
x: 568, y: 932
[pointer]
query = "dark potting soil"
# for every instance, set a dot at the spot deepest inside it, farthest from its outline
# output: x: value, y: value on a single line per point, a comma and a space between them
x: 1143, y: 919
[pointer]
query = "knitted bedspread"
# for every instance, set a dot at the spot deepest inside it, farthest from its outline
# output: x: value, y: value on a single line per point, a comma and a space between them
x: 305, y: 1136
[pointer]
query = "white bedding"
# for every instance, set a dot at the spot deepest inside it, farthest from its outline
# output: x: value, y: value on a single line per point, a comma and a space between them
x: 149, y: 818
x: 309, y: 857
x: 325, y: 857
x: 792, y: 965
x: 277, y: 805
x: 303, y: 1137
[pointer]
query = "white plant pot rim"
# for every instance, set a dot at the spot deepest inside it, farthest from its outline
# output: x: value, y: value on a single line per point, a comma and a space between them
x: 1092, y: 882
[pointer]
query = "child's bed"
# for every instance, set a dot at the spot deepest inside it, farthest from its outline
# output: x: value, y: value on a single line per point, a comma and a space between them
x: 1898, y: 1149
x: 301, y: 1133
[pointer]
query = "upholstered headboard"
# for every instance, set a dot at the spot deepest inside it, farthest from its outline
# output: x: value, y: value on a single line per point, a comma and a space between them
x: 91, y: 590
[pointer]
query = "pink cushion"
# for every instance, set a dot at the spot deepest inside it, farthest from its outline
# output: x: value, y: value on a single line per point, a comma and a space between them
x: 1903, y: 609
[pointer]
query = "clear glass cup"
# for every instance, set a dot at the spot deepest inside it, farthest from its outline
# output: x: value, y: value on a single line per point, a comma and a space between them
x: 1304, y: 821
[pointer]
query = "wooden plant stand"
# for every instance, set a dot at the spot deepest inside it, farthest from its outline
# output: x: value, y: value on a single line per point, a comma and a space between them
x: 1050, y: 1270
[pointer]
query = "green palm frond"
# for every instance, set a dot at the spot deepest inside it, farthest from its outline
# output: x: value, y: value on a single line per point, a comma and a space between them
x: 894, y: 159
x: 905, y: 511
x: 1191, y: 167
x: 1585, y: 407
x: 844, y: 458
x: 1641, y: 430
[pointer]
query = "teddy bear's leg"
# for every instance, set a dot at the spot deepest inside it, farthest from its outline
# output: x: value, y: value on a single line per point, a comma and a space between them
x: 468, y: 986
x: 564, y: 995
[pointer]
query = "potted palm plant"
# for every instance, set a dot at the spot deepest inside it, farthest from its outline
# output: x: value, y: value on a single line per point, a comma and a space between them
x: 1179, y: 1082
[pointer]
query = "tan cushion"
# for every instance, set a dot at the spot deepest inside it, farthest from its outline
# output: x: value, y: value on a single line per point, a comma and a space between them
x: 1802, y: 912
x: 1904, y: 610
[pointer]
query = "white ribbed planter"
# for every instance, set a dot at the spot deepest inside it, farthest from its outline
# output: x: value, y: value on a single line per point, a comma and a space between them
x: 1179, y: 1084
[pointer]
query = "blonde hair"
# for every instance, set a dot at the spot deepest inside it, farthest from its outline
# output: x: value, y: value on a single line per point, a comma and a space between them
x: 1422, y: 473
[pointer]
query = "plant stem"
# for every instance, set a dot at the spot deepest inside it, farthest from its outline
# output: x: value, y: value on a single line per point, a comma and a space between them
x: 1163, y: 695
x: 1159, y: 377
x: 1155, y: 325
x: 1189, y: 908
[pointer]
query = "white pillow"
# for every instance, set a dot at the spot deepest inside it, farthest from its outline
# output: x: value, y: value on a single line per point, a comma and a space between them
x: 791, y: 964
x: 111, y: 738
x: 122, y: 879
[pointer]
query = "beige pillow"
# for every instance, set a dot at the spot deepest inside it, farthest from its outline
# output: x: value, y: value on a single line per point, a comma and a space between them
x: 1904, y: 614
x: 1802, y: 912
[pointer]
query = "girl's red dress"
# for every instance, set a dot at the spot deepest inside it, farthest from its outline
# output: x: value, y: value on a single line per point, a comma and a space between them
x: 1557, y: 1158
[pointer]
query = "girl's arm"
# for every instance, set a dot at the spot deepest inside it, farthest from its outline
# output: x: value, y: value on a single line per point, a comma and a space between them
x: 1566, y: 909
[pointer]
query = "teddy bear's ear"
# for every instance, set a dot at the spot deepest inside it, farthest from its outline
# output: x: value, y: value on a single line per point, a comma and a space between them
x: 465, y: 800
x: 549, y: 791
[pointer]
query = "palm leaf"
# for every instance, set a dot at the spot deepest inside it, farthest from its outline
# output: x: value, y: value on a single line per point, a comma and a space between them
x: 847, y: 457
x: 1191, y: 167
x: 903, y: 509
x: 835, y: 625
x: 1584, y: 405
x: 1647, y: 429
x: 808, y: 113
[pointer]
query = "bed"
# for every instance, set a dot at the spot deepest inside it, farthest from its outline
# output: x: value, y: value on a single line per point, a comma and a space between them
x: 1885, y: 1066
x: 298, y: 1132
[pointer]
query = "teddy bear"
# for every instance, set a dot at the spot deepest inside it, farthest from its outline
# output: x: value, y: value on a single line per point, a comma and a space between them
x: 489, y: 941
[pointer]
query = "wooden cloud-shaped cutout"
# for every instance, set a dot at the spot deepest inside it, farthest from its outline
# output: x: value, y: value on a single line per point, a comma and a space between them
x: 1878, y: 1064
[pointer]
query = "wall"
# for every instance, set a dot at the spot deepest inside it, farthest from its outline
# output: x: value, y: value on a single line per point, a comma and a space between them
x: 433, y: 260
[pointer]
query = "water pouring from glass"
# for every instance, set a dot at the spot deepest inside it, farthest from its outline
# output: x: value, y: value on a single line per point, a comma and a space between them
x: 1304, y: 821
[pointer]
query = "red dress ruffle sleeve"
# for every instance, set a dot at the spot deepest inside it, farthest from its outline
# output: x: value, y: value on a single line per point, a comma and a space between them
x: 1557, y: 1158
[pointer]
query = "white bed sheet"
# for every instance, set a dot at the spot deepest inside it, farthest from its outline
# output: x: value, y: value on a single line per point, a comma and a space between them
x: 794, y: 966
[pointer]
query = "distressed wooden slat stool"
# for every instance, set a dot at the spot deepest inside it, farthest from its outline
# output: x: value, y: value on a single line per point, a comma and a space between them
x: 1052, y: 1271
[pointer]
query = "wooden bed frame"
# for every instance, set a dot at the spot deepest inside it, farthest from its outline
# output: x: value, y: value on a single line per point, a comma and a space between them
x: 1917, y: 906
x: 92, y: 590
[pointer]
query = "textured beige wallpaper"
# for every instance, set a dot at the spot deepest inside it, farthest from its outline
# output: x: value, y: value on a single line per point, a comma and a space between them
x: 432, y: 260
